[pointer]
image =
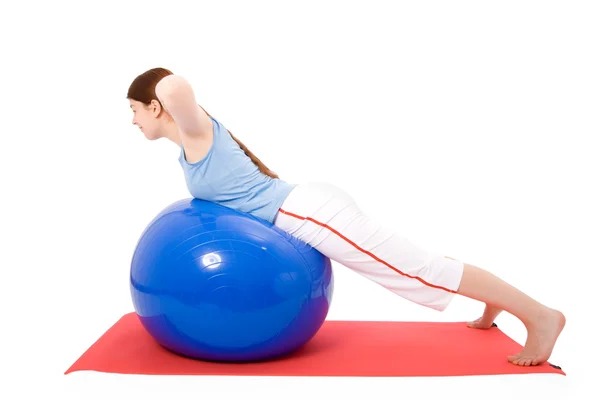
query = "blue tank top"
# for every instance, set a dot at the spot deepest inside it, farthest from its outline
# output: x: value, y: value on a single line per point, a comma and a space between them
x: 227, y: 176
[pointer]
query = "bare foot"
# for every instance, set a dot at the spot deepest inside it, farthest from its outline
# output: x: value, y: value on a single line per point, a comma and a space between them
x: 542, y: 334
x: 487, y: 319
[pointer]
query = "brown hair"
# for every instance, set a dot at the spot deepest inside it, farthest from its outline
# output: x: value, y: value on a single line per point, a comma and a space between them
x: 142, y: 89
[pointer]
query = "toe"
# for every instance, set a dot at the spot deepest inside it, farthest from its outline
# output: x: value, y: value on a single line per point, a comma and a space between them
x: 473, y: 324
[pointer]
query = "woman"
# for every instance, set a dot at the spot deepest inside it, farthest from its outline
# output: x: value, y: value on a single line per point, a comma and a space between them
x: 219, y: 168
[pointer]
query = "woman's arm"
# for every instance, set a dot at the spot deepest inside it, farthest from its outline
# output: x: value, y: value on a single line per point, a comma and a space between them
x: 177, y: 97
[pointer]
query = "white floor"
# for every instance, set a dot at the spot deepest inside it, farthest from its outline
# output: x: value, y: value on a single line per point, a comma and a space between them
x: 580, y: 371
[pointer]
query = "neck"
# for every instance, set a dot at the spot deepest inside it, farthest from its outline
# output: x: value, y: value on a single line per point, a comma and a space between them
x: 172, y: 133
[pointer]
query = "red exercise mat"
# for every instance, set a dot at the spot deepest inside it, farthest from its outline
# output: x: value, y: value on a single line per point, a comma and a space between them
x: 340, y: 348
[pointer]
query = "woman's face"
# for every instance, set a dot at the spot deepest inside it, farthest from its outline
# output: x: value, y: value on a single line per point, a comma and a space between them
x: 145, y: 117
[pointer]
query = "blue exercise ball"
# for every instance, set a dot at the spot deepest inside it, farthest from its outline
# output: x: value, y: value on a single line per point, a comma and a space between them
x: 209, y: 282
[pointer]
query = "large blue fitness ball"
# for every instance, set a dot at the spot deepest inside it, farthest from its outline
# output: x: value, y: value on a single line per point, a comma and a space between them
x: 211, y: 283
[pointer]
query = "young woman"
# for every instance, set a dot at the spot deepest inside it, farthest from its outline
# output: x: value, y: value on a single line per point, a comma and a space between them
x: 219, y: 168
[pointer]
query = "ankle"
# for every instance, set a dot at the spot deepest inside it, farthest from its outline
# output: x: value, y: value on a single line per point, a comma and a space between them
x: 534, y: 315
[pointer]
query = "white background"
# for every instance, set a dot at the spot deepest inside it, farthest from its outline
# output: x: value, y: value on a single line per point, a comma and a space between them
x: 471, y: 126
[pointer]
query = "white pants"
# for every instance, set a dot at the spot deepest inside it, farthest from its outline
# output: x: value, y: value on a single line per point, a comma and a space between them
x: 328, y: 219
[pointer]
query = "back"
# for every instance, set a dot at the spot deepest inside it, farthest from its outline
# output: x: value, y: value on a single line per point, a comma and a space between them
x: 228, y: 177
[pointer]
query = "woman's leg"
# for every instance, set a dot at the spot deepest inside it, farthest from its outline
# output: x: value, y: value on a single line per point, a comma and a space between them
x: 327, y: 218
x: 486, y: 321
x: 543, y: 324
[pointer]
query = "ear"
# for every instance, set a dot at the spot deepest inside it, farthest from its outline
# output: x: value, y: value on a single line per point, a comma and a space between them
x: 156, y: 108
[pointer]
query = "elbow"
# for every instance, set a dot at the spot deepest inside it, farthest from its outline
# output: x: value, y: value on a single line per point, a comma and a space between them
x: 172, y: 86
x: 177, y: 97
x: 175, y: 94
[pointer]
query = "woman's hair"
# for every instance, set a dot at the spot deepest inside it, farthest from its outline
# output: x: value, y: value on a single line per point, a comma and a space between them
x: 142, y: 89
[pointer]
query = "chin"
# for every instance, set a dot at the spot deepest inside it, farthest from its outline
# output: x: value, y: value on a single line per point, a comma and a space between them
x: 151, y: 137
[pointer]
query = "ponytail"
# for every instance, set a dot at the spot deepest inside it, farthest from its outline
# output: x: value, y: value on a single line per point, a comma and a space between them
x: 261, y: 167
